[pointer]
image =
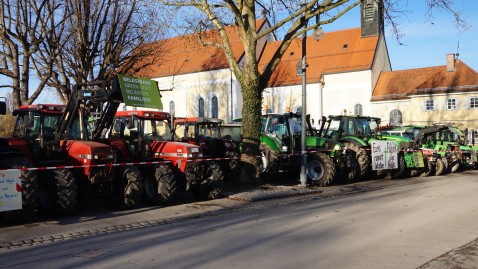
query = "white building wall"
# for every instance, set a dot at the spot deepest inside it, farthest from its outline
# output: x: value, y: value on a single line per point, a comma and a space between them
x: 343, y: 91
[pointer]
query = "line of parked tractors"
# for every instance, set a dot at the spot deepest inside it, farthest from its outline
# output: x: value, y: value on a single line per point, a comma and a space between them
x: 88, y: 148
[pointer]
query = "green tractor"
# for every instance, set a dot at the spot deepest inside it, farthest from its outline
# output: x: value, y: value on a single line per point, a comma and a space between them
x: 359, y: 132
x: 327, y: 160
x: 436, y: 162
x: 466, y: 154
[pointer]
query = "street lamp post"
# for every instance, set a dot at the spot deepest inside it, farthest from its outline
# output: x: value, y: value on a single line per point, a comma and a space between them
x: 303, y: 148
x: 317, y: 34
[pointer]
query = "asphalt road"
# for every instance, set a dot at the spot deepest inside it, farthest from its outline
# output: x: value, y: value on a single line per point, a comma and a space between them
x: 376, y: 224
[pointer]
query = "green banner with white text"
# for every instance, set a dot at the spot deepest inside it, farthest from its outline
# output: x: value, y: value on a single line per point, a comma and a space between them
x: 140, y: 92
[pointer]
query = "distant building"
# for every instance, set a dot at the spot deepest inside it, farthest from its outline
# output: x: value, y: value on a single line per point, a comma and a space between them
x: 423, y: 96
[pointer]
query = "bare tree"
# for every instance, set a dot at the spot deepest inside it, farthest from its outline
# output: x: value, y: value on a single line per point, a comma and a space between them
x: 21, y: 32
x: 98, y: 39
x: 200, y: 15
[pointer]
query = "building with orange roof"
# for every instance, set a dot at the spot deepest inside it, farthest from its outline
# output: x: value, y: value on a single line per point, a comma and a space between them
x: 343, y: 69
x: 423, y: 96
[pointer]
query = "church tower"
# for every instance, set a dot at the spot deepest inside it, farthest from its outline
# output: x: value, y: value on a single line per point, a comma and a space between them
x: 371, y: 16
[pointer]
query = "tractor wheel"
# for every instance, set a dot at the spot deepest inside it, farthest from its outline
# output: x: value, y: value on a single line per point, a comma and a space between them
x: 231, y: 166
x: 350, y: 173
x: 429, y: 169
x: 29, y: 190
x: 440, y: 167
x: 127, y: 189
x: 58, y: 192
x: 455, y: 167
x: 211, y: 185
x: 320, y: 169
x: 401, y: 170
x: 363, y: 162
x: 160, y: 186
x: 446, y: 165
x: 270, y: 163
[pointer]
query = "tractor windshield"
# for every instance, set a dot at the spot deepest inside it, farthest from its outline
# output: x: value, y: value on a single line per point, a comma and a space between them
x: 29, y: 126
x: 156, y: 130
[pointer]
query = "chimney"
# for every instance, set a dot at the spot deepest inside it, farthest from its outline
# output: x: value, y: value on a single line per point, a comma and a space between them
x: 450, y: 62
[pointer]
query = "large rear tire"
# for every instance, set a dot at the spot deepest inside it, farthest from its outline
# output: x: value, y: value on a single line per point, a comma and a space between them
x: 269, y: 166
x: 363, y: 163
x: 160, y: 186
x: 127, y: 188
x: 455, y: 167
x: 58, y: 192
x: 232, y: 166
x: 320, y: 169
x: 440, y: 167
x: 29, y: 191
x: 211, y: 185
x: 401, y: 170
x: 429, y: 169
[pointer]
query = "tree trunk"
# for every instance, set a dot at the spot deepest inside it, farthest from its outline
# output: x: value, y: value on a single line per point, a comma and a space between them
x: 251, y: 127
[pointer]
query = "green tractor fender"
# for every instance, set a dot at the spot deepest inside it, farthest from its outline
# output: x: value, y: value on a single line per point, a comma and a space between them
x: 353, y: 142
x: 272, y: 142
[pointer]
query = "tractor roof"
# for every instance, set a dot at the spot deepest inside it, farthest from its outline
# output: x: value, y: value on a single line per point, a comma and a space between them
x: 353, y: 117
x: 43, y: 108
x: 197, y: 119
x: 144, y: 114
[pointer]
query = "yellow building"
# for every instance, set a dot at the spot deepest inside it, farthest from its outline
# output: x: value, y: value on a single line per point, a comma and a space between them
x: 423, y: 96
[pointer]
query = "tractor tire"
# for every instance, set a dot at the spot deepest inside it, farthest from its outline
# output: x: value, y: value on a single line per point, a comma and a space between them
x: 29, y: 190
x: 58, y: 192
x: 440, y: 167
x: 455, y: 167
x: 320, y: 169
x: 232, y: 166
x: 350, y: 173
x: 445, y: 165
x: 401, y: 171
x: 429, y: 169
x: 269, y: 163
x: 127, y: 188
x: 160, y: 186
x: 363, y: 162
x: 211, y: 185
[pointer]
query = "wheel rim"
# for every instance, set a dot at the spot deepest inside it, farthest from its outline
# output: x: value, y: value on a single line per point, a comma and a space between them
x: 315, y: 170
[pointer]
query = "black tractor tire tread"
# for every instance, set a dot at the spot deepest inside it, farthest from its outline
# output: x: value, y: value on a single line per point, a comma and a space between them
x: 162, y: 186
x: 329, y: 169
x: 401, y: 171
x: 233, y: 165
x: 212, y: 183
x: 127, y: 187
x: 429, y: 169
x: 363, y: 161
x: 440, y: 167
x: 64, y: 192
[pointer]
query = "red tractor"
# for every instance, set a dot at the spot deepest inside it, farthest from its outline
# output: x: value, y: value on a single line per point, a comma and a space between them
x: 11, y: 158
x: 146, y: 136
x: 206, y: 133
x: 58, y: 136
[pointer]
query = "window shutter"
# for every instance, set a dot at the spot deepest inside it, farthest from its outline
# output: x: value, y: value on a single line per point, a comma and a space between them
x: 445, y: 104
x: 435, y: 104
x: 457, y: 102
x: 467, y: 103
x: 424, y: 105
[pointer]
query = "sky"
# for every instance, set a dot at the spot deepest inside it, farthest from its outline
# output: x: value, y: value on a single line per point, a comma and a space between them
x: 424, y: 43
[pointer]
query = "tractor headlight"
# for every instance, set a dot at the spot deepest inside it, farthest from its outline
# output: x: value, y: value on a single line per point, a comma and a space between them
x: 284, y: 148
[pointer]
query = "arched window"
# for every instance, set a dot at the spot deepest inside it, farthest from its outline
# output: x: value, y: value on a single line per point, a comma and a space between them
x: 396, y: 117
x: 358, y: 110
x: 171, y: 107
x: 214, y: 108
x: 201, y: 107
